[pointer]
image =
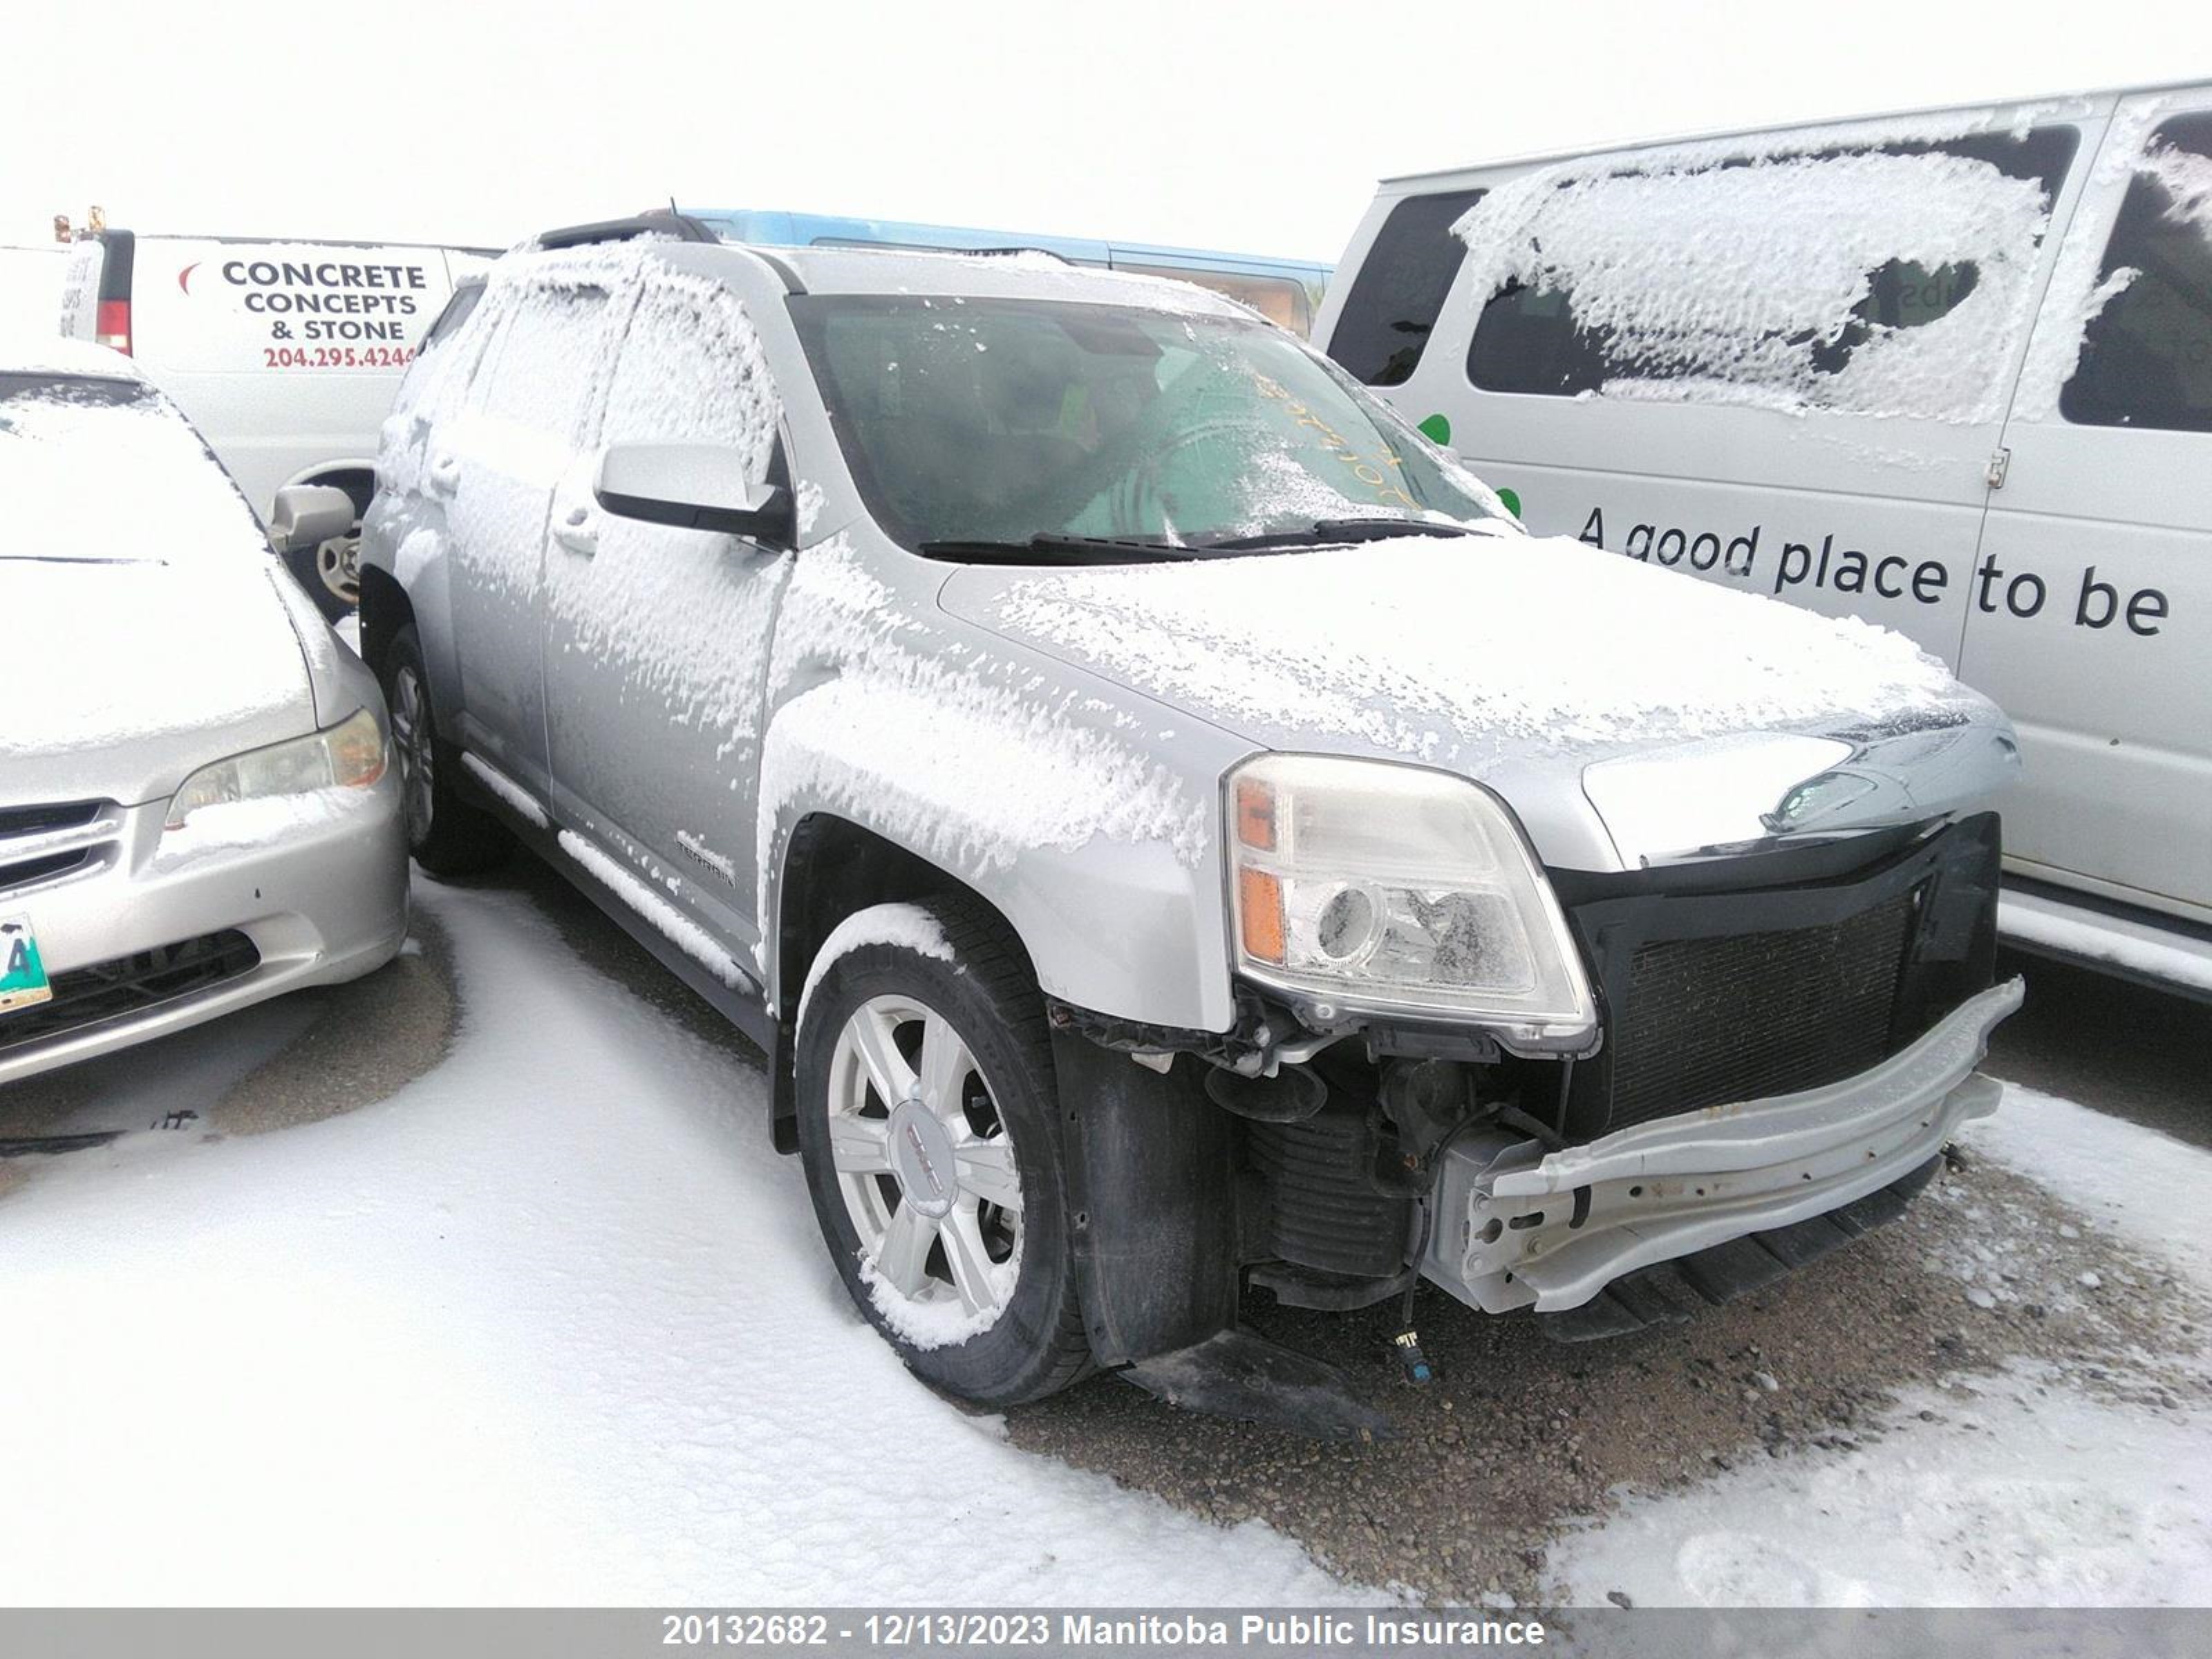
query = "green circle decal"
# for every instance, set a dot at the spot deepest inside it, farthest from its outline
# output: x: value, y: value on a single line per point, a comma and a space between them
x: 1512, y: 500
x: 1437, y: 429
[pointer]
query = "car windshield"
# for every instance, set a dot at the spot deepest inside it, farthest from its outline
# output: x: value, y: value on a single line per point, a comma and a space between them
x: 979, y: 422
x: 73, y: 448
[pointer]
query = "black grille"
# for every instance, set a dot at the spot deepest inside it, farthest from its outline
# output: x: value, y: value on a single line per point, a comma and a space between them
x: 1738, y: 1017
x: 27, y: 871
x: 37, y: 820
x: 129, y: 985
x: 17, y: 823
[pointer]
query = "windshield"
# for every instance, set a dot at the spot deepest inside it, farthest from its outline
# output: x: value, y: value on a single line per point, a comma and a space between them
x: 997, y: 421
x: 103, y: 471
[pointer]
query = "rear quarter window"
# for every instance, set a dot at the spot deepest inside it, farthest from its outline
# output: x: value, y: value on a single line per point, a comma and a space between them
x: 2147, y: 358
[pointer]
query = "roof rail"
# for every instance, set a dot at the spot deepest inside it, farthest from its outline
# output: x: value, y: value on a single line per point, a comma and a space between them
x: 655, y: 221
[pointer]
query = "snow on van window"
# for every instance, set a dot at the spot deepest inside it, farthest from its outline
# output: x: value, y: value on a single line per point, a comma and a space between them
x: 967, y: 759
x: 1895, y: 282
x: 1468, y: 648
x: 2081, y: 287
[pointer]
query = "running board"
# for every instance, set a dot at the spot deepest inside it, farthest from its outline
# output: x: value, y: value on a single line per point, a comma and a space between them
x: 1237, y: 1375
x: 2126, y: 942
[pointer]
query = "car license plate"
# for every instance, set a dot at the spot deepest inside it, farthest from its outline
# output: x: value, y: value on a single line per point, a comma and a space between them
x: 22, y: 975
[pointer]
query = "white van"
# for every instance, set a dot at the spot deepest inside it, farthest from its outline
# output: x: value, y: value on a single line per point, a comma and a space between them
x: 30, y: 285
x: 1950, y: 372
x: 285, y: 355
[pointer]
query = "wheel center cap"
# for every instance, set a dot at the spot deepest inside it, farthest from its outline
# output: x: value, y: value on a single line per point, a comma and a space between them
x: 921, y: 1158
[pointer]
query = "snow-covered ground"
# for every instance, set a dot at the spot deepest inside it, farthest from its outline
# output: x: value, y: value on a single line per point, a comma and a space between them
x: 552, y: 1324
x: 2016, y: 1490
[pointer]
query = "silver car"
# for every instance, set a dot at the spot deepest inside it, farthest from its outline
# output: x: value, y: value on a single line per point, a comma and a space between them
x: 1179, y: 840
x: 197, y: 810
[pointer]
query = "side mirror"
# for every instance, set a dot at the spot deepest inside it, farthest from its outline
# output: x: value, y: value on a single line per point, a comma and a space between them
x: 307, y: 515
x: 691, y: 487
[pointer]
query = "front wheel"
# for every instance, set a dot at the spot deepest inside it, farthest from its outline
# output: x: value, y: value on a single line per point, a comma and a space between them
x: 447, y: 835
x: 928, y: 1124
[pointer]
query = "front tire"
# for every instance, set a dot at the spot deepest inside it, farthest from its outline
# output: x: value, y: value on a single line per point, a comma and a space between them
x: 447, y: 835
x: 929, y: 1126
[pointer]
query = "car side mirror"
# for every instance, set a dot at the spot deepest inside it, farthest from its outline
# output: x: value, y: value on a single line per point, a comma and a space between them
x: 692, y: 487
x: 307, y: 515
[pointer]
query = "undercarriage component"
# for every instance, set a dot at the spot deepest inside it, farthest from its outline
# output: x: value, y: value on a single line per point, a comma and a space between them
x: 1236, y: 1374
x: 1516, y: 1226
x: 1326, y: 1209
x: 1668, y: 1292
x: 1294, y: 1094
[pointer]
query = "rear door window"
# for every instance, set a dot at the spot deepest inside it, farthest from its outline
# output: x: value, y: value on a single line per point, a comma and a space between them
x: 1400, y: 288
x: 543, y: 374
x: 1887, y: 279
x: 2147, y: 359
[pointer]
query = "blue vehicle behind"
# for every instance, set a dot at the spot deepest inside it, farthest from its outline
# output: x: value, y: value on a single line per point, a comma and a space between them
x: 1285, y: 291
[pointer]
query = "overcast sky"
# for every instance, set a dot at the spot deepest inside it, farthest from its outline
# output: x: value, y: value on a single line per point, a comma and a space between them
x: 1257, y: 127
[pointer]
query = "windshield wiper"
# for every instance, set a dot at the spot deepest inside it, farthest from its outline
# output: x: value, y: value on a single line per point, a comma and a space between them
x: 1095, y: 549
x: 1331, y: 533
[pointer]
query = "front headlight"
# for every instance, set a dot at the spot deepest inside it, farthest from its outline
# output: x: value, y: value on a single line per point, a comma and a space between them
x: 1365, y: 884
x: 349, y: 755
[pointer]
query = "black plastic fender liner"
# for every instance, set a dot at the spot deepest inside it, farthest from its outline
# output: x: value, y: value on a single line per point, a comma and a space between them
x: 1152, y: 1198
x: 1237, y: 1375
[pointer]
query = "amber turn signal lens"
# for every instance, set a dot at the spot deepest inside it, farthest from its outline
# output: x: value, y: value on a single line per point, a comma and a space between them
x: 1259, y: 907
x: 1256, y: 815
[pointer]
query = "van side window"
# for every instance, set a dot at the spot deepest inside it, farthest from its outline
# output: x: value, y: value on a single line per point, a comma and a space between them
x: 1401, y: 288
x: 2147, y: 359
x: 1804, y: 278
x: 542, y: 376
x: 691, y: 370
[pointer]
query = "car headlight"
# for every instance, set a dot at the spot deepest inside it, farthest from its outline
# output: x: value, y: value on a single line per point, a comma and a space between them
x: 348, y: 755
x: 1366, y: 885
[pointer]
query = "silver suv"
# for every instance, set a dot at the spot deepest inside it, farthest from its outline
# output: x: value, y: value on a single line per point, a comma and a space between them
x: 1174, y: 835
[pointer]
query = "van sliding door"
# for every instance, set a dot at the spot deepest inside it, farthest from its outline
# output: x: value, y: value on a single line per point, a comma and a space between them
x: 2090, y: 608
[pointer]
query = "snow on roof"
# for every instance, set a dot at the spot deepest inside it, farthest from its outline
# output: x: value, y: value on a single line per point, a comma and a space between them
x: 28, y: 353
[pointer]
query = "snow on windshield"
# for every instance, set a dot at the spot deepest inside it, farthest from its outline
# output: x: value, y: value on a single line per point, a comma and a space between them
x: 1424, y: 647
x: 78, y: 455
x: 1730, y: 272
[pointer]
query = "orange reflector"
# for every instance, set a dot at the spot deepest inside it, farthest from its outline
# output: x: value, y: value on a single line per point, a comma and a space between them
x: 1256, y: 815
x: 1259, y: 906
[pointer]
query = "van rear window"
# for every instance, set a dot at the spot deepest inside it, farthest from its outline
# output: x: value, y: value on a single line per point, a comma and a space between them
x: 2147, y: 359
x: 1878, y: 278
x: 1401, y: 287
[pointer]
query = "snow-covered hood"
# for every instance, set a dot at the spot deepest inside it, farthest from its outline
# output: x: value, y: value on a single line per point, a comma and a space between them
x: 1527, y: 664
x: 118, y: 678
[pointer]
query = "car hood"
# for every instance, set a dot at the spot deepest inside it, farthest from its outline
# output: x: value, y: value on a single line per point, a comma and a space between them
x: 1630, y: 716
x: 118, y: 677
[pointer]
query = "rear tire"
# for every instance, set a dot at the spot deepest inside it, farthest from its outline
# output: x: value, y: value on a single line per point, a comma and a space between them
x: 447, y: 836
x: 978, y: 1297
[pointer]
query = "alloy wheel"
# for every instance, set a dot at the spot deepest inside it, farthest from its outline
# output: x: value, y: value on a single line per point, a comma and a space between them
x: 923, y: 1161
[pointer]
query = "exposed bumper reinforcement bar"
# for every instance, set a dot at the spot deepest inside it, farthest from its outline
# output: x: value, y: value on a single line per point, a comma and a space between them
x: 1515, y: 1228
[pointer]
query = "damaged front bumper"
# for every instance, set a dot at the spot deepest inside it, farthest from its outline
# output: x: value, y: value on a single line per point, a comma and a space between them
x: 1515, y: 1227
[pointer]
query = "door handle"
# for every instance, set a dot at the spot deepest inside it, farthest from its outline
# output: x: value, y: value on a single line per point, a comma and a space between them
x: 445, y: 473
x: 575, y: 530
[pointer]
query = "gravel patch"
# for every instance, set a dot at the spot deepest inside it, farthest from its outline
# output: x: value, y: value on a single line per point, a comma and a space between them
x: 1520, y: 1436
